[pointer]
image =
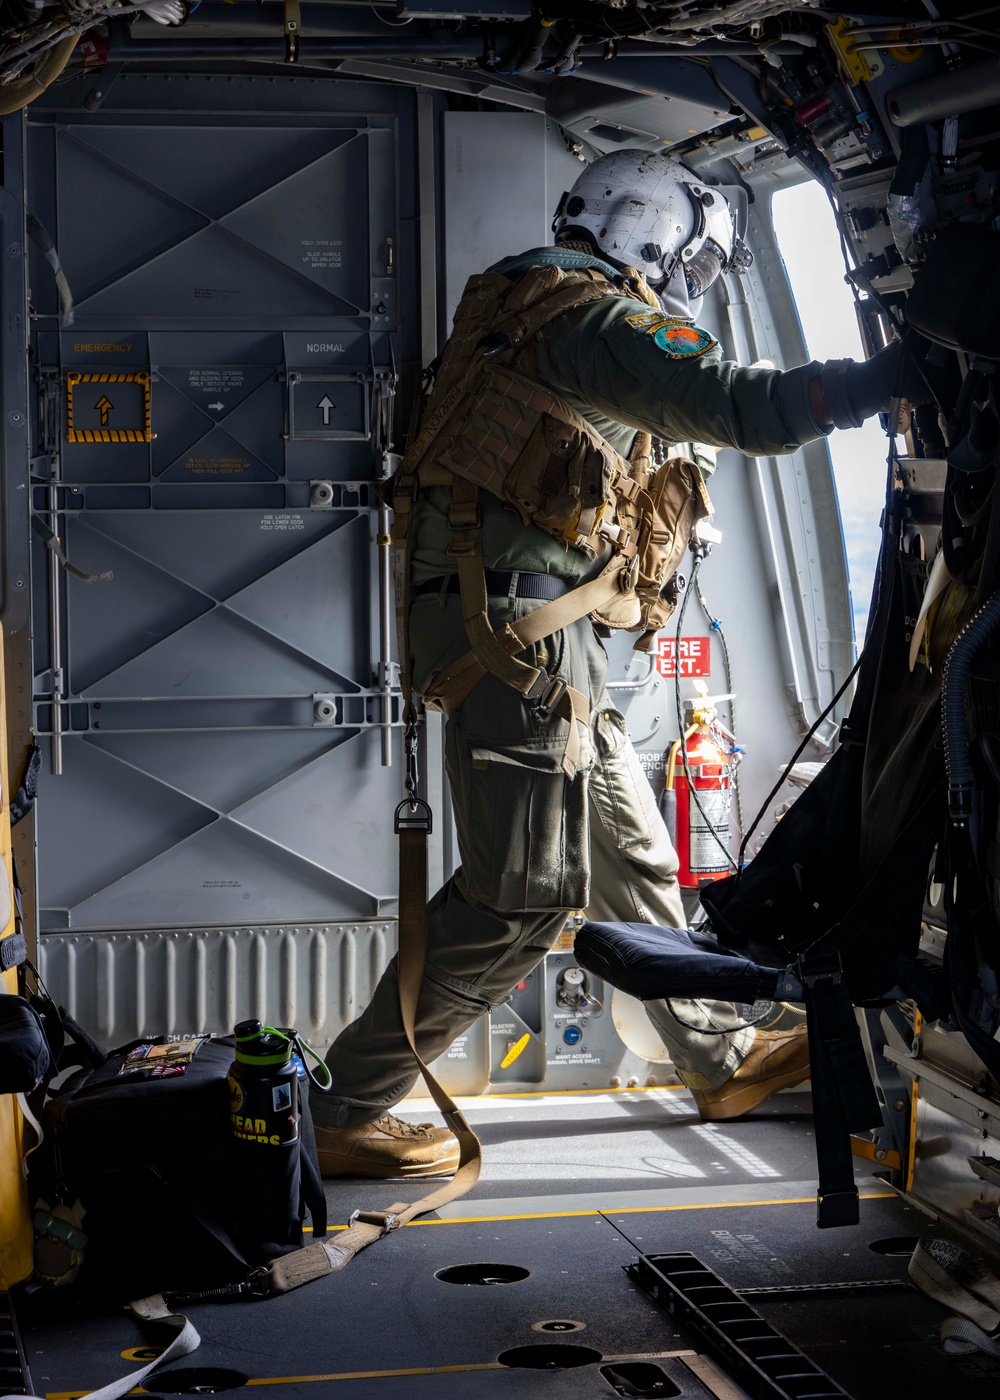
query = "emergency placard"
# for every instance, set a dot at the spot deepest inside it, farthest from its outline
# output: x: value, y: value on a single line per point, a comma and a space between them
x: 696, y: 656
x: 108, y: 407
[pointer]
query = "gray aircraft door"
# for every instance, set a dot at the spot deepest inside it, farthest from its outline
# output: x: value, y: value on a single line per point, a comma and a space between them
x: 211, y: 428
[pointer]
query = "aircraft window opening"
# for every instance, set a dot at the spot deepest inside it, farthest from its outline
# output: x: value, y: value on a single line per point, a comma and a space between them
x: 807, y: 239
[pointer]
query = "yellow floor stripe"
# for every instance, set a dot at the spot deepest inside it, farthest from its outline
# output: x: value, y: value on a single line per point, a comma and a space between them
x: 636, y: 1210
x: 382, y: 1375
x: 329, y: 1376
x: 484, y: 1100
x: 485, y: 1219
x: 626, y: 1210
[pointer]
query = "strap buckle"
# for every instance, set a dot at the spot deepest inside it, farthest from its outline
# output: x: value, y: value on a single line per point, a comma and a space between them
x: 385, y: 1220
x: 413, y: 814
x: 405, y: 489
x: 836, y: 1209
x: 546, y: 693
x: 258, y: 1282
x: 464, y: 543
x: 825, y: 970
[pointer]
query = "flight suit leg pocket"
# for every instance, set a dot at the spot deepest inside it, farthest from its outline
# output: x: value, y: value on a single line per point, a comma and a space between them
x: 620, y: 790
x: 527, y: 829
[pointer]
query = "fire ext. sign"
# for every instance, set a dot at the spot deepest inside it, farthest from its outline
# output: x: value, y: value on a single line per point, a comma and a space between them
x: 696, y: 656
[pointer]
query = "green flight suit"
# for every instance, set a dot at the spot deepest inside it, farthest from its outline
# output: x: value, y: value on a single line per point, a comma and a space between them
x: 535, y: 845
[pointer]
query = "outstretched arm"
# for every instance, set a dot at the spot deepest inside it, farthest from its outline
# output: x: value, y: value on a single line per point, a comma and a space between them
x: 653, y: 373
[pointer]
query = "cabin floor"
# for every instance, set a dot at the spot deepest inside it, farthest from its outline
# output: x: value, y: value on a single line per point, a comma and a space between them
x: 574, y: 1188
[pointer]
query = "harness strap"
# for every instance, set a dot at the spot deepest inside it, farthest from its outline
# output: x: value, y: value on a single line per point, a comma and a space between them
x: 467, y: 551
x: 450, y: 686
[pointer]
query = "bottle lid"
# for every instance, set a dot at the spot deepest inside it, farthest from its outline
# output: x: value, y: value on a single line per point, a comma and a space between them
x: 257, y: 1044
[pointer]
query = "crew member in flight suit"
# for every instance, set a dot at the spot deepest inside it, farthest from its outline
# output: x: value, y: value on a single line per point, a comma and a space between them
x: 536, y: 844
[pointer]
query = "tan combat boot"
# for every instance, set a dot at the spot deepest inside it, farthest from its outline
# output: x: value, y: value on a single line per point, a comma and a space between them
x: 388, y: 1147
x: 777, y: 1060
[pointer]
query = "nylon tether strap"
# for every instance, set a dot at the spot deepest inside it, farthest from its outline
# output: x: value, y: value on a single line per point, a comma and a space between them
x: 498, y: 648
x: 151, y: 1309
x: 329, y: 1256
x: 844, y: 1100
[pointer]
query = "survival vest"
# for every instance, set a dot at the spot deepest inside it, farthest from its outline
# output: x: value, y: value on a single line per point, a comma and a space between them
x: 490, y: 425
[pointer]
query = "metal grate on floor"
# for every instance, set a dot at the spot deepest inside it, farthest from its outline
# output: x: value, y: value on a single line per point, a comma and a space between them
x: 14, y: 1376
x: 764, y: 1362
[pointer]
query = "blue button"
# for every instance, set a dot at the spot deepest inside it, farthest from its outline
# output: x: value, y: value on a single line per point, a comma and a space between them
x: 572, y: 1035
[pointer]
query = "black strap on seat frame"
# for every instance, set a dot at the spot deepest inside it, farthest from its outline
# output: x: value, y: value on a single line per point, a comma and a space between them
x: 844, y: 1099
x: 650, y: 962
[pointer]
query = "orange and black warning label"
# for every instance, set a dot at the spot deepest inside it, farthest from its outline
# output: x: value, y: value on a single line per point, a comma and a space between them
x: 109, y: 407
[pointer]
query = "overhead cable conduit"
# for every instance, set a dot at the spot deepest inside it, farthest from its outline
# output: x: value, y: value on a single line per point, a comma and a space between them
x: 22, y: 90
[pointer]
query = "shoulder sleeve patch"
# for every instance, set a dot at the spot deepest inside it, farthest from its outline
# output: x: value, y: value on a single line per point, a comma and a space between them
x: 676, y: 337
x: 646, y: 320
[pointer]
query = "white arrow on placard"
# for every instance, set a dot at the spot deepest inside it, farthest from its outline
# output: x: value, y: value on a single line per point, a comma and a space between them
x: 217, y: 406
x: 326, y: 406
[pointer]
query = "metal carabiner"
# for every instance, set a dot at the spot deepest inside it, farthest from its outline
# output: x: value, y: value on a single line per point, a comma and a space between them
x: 411, y: 777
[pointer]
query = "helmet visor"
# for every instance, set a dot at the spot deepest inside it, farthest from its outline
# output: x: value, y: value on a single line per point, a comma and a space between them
x: 704, y: 268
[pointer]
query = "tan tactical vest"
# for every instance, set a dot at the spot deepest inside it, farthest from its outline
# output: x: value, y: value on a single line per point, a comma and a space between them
x: 490, y: 425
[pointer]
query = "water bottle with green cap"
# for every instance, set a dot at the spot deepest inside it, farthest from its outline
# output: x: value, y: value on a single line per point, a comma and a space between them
x: 266, y: 1123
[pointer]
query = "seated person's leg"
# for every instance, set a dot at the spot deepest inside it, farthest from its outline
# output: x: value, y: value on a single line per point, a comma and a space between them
x: 634, y: 880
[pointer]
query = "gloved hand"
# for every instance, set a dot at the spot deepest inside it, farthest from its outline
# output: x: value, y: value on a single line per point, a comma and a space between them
x: 855, y: 389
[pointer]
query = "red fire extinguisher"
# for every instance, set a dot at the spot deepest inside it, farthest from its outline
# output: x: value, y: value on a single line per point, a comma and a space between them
x: 702, y: 759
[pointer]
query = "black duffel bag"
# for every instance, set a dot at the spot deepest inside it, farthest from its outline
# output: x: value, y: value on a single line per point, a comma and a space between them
x: 145, y: 1164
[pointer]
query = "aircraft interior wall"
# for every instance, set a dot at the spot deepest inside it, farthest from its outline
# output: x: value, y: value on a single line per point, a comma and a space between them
x: 232, y: 239
x: 212, y: 712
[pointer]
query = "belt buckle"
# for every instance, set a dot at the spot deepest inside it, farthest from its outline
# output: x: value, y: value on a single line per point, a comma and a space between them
x: 385, y: 1220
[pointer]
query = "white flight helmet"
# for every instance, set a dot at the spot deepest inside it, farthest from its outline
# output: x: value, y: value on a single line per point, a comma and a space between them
x: 645, y: 210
